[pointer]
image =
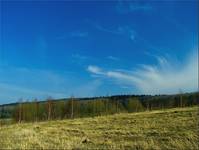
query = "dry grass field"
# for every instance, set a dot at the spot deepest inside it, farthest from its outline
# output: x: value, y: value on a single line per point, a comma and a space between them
x: 164, y: 129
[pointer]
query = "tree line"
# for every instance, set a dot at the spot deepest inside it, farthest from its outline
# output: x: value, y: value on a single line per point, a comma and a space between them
x: 25, y: 111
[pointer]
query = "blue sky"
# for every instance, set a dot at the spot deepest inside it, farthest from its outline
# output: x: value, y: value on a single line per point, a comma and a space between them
x: 93, y: 48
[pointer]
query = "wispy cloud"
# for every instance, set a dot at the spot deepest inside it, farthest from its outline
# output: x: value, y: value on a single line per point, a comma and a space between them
x: 123, y: 31
x: 81, y: 59
x: 95, y: 69
x: 79, y: 34
x: 91, y: 88
x: 162, y: 78
x: 14, y: 92
x: 27, y: 83
x: 101, y: 28
x: 73, y: 34
x: 113, y: 58
x: 79, y: 56
x: 125, y: 7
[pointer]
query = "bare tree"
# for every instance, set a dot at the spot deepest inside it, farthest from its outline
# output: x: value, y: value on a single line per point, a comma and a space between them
x: 20, y: 111
x: 72, y: 99
x: 49, y: 107
x: 180, y: 94
x: 36, y: 109
x: 117, y: 106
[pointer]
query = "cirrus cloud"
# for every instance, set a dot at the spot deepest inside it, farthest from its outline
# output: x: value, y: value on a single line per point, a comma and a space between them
x: 163, y: 78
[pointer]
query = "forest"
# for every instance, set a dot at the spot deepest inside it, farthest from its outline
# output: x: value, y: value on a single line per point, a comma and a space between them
x: 51, y: 109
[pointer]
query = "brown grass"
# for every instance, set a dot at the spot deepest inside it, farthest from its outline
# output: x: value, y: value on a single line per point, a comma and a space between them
x: 164, y: 129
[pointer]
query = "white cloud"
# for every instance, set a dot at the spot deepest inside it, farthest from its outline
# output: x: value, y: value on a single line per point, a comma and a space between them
x: 162, y: 78
x: 113, y: 58
x: 94, y: 69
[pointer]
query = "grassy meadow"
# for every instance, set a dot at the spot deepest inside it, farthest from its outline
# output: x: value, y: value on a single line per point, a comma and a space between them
x: 159, y: 129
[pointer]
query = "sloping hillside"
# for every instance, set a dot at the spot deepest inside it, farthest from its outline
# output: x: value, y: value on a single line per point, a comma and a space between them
x: 163, y: 129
